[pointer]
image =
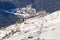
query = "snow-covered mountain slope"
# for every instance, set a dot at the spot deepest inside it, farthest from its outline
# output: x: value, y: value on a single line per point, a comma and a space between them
x: 52, y: 26
x: 37, y: 28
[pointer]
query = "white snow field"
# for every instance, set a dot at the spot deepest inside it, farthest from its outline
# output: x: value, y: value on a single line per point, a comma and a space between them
x: 37, y: 28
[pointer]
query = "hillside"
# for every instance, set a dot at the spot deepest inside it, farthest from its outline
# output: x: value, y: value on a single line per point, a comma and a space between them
x: 29, y: 19
x: 36, y: 28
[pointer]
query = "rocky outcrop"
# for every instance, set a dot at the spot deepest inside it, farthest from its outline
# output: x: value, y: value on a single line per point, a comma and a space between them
x: 29, y: 12
x: 26, y: 12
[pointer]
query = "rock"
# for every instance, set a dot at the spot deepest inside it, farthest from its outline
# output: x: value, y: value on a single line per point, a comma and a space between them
x: 29, y: 12
x: 26, y: 12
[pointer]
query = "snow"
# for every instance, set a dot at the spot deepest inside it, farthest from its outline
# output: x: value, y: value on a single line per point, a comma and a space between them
x: 25, y: 12
x: 2, y: 33
x: 45, y: 28
x: 52, y: 34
